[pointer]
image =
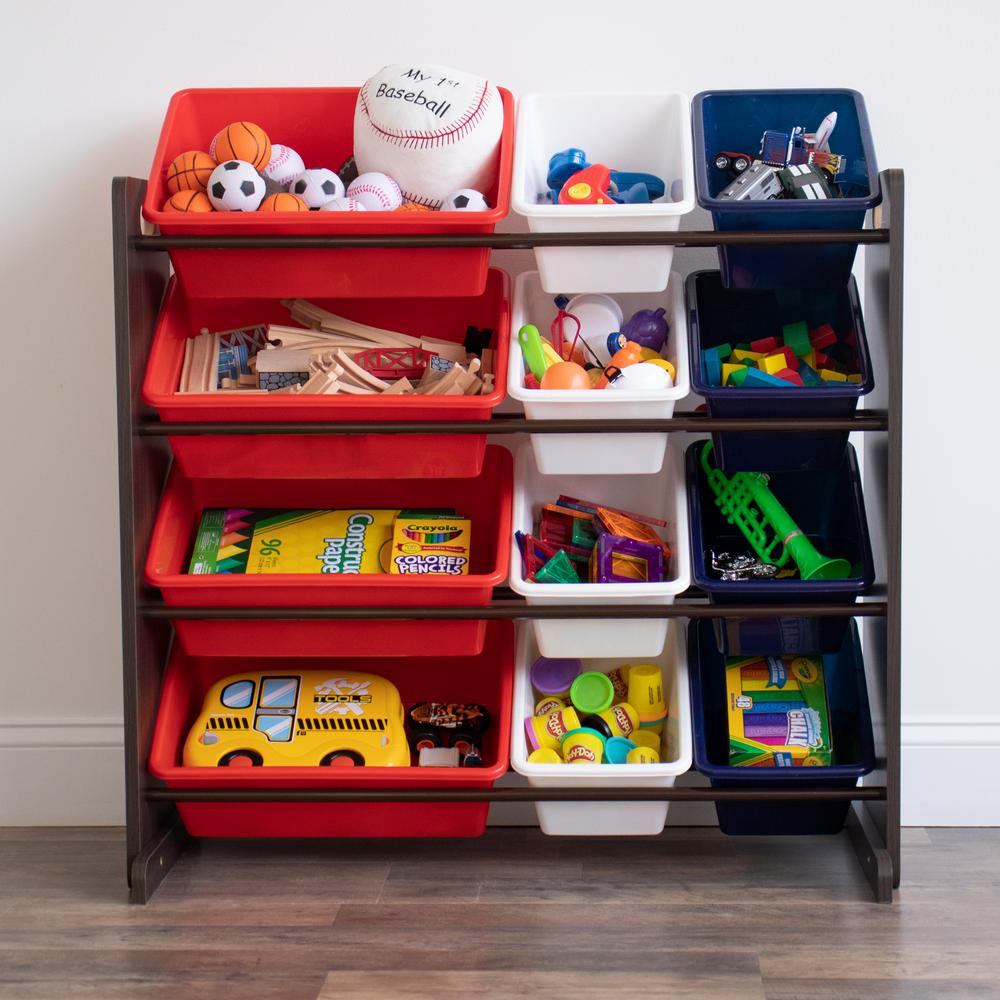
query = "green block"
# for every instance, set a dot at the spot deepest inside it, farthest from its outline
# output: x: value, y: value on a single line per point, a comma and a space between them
x: 739, y: 377
x: 796, y: 336
x: 558, y: 569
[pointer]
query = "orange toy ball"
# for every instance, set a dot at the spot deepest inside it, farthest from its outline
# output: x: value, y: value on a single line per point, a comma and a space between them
x: 190, y: 171
x: 283, y: 201
x: 565, y: 375
x: 242, y: 141
x: 412, y: 206
x: 188, y: 201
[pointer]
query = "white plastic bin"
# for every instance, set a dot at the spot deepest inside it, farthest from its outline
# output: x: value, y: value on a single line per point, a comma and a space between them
x: 583, y: 454
x: 661, y: 496
x: 648, y: 133
x: 608, y: 819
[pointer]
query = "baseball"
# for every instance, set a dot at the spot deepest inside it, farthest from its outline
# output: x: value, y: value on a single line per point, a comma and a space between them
x: 435, y: 130
x: 343, y: 205
x: 284, y: 166
x: 377, y: 192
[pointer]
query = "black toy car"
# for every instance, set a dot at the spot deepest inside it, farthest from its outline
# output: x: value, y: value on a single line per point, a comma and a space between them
x: 448, y: 724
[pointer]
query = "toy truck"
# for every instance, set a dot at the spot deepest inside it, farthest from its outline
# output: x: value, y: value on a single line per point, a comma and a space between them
x: 789, y: 149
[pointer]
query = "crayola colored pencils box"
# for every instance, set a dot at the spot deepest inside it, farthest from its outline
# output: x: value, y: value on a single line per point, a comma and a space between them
x: 778, y: 712
x: 430, y: 543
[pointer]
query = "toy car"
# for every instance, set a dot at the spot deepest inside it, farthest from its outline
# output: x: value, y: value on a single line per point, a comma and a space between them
x: 307, y: 719
x: 733, y: 163
x: 448, y: 724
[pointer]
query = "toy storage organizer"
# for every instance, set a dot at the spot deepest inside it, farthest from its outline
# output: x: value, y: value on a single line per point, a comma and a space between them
x: 158, y: 789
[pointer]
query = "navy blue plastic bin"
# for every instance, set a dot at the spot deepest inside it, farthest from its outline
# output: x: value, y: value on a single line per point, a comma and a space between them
x: 734, y: 121
x: 853, y: 743
x: 830, y: 510
x: 719, y: 315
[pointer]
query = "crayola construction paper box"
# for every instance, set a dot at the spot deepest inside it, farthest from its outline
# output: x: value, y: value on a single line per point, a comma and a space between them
x: 778, y: 712
x: 350, y: 541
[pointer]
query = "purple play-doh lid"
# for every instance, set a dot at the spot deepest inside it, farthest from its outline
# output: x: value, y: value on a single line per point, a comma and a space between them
x: 551, y: 676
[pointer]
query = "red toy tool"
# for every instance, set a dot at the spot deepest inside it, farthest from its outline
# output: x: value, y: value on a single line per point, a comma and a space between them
x: 588, y: 187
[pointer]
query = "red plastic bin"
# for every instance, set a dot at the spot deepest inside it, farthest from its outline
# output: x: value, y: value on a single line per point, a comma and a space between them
x: 486, y: 499
x: 486, y: 679
x: 318, y: 122
x: 313, y: 456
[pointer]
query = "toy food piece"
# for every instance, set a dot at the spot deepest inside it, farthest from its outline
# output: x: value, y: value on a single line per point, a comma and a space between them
x: 434, y: 129
x: 283, y: 201
x: 546, y: 755
x: 188, y: 201
x: 778, y: 712
x: 648, y: 328
x: 343, y: 205
x: 617, y: 749
x: 284, y: 165
x: 592, y: 692
x: 317, y: 186
x: 299, y: 718
x: 548, y: 730
x: 565, y: 375
x: 645, y: 693
x: 190, y: 171
x: 242, y: 141
x: 642, y: 377
x: 582, y: 746
x: 376, y: 191
x: 235, y: 186
x: 554, y: 677
x: 465, y: 200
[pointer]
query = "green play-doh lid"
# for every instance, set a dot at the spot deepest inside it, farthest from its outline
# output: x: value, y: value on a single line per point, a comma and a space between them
x: 592, y: 692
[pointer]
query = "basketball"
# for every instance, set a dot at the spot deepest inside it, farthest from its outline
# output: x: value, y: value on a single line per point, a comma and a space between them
x: 242, y: 141
x: 188, y: 201
x: 190, y: 171
x: 283, y: 202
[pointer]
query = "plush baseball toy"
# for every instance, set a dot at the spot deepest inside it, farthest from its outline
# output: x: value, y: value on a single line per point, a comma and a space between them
x: 432, y: 129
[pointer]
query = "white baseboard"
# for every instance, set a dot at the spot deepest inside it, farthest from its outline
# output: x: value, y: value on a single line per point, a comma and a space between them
x: 69, y: 772
x: 949, y: 771
x: 61, y: 772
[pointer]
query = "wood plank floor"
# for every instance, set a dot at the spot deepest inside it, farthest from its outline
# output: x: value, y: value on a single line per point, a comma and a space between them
x: 691, y: 914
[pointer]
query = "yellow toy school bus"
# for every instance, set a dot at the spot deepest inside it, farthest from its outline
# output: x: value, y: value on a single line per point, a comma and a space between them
x: 306, y: 719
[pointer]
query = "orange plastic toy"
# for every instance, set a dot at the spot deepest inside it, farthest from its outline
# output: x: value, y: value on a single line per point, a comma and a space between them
x: 242, y: 141
x: 190, y: 171
x: 630, y: 354
x: 565, y: 375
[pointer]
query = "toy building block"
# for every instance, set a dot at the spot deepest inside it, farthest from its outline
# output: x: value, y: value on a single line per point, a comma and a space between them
x: 790, y: 376
x: 796, y: 337
x: 828, y: 375
x: 558, y: 569
x: 809, y: 375
x: 741, y: 354
x: 729, y: 370
x: 764, y: 345
x: 755, y: 378
x: 822, y: 336
x: 855, y: 379
x: 712, y: 367
x: 739, y: 377
x: 773, y: 363
x: 616, y: 559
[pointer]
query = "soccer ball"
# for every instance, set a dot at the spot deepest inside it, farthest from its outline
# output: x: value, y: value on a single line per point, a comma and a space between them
x: 317, y: 186
x: 236, y: 187
x: 465, y: 200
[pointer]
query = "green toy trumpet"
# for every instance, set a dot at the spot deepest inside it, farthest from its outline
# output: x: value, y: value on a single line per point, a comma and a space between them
x: 746, y: 501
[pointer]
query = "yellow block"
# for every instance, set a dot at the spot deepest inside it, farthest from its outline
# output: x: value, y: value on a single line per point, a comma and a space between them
x: 827, y: 375
x: 855, y: 379
x: 810, y: 359
x: 747, y: 355
x: 728, y: 370
x: 773, y: 365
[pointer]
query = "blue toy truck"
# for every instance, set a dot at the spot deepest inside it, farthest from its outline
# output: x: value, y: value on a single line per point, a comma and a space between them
x: 786, y: 149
